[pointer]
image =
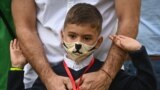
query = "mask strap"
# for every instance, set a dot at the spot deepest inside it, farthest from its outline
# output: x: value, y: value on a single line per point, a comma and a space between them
x: 64, y: 45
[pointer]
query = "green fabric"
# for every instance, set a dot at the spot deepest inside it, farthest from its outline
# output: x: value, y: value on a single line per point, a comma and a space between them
x: 4, y: 55
x: 5, y: 38
x: 5, y: 7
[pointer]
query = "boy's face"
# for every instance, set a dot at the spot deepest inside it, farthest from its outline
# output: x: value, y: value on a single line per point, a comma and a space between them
x: 80, y: 41
x: 80, y: 33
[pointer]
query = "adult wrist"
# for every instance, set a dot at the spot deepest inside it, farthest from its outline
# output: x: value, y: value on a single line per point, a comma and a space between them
x: 45, y: 76
x: 106, y: 73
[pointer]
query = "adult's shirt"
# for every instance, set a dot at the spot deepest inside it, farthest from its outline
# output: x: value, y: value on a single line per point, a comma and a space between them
x: 149, y: 28
x: 50, y: 18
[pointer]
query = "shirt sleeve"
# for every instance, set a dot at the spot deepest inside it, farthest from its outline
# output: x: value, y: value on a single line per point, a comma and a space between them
x: 143, y: 80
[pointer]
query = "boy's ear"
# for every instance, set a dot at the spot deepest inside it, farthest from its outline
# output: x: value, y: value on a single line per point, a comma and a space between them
x: 99, y: 42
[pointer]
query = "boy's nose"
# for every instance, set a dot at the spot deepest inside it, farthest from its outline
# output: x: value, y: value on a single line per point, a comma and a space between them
x: 78, y: 46
x: 79, y: 39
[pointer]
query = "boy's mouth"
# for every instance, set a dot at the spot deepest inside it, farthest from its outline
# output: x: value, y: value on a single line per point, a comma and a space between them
x: 77, y: 52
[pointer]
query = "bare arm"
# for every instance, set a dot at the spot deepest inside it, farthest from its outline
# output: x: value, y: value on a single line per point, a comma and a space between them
x: 128, y: 12
x: 128, y: 17
x: 24, y: 15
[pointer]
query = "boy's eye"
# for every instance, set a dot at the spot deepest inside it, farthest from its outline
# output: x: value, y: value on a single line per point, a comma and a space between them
x: 87, y: 38
x: 72, y: 36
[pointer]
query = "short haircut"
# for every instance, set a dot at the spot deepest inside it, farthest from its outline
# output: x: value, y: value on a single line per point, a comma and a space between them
x: 83, y: 13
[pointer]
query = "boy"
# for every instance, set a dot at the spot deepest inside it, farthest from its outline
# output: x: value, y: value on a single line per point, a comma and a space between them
x: 80, y: 37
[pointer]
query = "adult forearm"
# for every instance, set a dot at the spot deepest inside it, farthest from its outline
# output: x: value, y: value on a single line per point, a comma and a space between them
x: 24, y: 15
x: 128, y: 12
x: 33, y: 50
x: 116, y: 58
x: 116, y: 55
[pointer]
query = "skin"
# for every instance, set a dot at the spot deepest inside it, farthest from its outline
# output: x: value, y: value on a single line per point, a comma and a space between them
x: 17, y: 57
x: 125, y: 43
x: 24, y: 15
x: 81, y: 33
x: 128, y: 12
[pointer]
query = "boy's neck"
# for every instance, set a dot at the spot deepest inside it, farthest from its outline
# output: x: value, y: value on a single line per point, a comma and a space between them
x: 77, y: 61
x: 77, y: 66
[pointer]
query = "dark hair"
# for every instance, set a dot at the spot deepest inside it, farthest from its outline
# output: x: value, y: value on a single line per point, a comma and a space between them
x: 84, y: 13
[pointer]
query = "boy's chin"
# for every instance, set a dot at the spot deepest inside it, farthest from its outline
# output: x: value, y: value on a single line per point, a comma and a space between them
x: 77, y: 60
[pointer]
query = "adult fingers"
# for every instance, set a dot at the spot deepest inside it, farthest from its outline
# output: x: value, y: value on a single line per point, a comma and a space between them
x: 68, y: 84
x: 85, y: 86
x: 79, y: 81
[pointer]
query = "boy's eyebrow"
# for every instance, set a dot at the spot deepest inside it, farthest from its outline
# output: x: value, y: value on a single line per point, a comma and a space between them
x: 88, y: 35
x: 71, y: 32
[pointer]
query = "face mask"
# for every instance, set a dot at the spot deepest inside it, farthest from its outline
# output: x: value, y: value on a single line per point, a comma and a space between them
x: 78, y: 51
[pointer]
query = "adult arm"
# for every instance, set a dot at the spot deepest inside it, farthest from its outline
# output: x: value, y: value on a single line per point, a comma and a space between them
x: 128, y: 12
x: 24, y: 15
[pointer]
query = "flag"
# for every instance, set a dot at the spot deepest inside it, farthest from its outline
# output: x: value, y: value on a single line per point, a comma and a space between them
x: 6, y: 34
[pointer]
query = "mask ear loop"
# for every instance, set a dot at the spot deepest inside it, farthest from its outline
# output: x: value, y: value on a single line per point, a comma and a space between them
x: 64, y: 44
x: 99, y: 41
x: 94, y: 45
x: 92, y: 48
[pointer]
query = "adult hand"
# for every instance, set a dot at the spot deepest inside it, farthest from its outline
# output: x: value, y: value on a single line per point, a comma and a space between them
x: 95, y: 81
x: 57, y: 82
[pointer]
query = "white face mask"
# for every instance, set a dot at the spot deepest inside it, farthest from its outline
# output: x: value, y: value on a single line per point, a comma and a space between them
x: 78, y: 51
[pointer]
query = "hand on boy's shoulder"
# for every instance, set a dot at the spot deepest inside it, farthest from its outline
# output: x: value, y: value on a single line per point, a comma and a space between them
x: 125, y: 43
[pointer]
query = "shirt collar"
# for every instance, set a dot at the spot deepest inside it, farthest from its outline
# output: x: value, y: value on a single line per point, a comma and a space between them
x: 73, y: 65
